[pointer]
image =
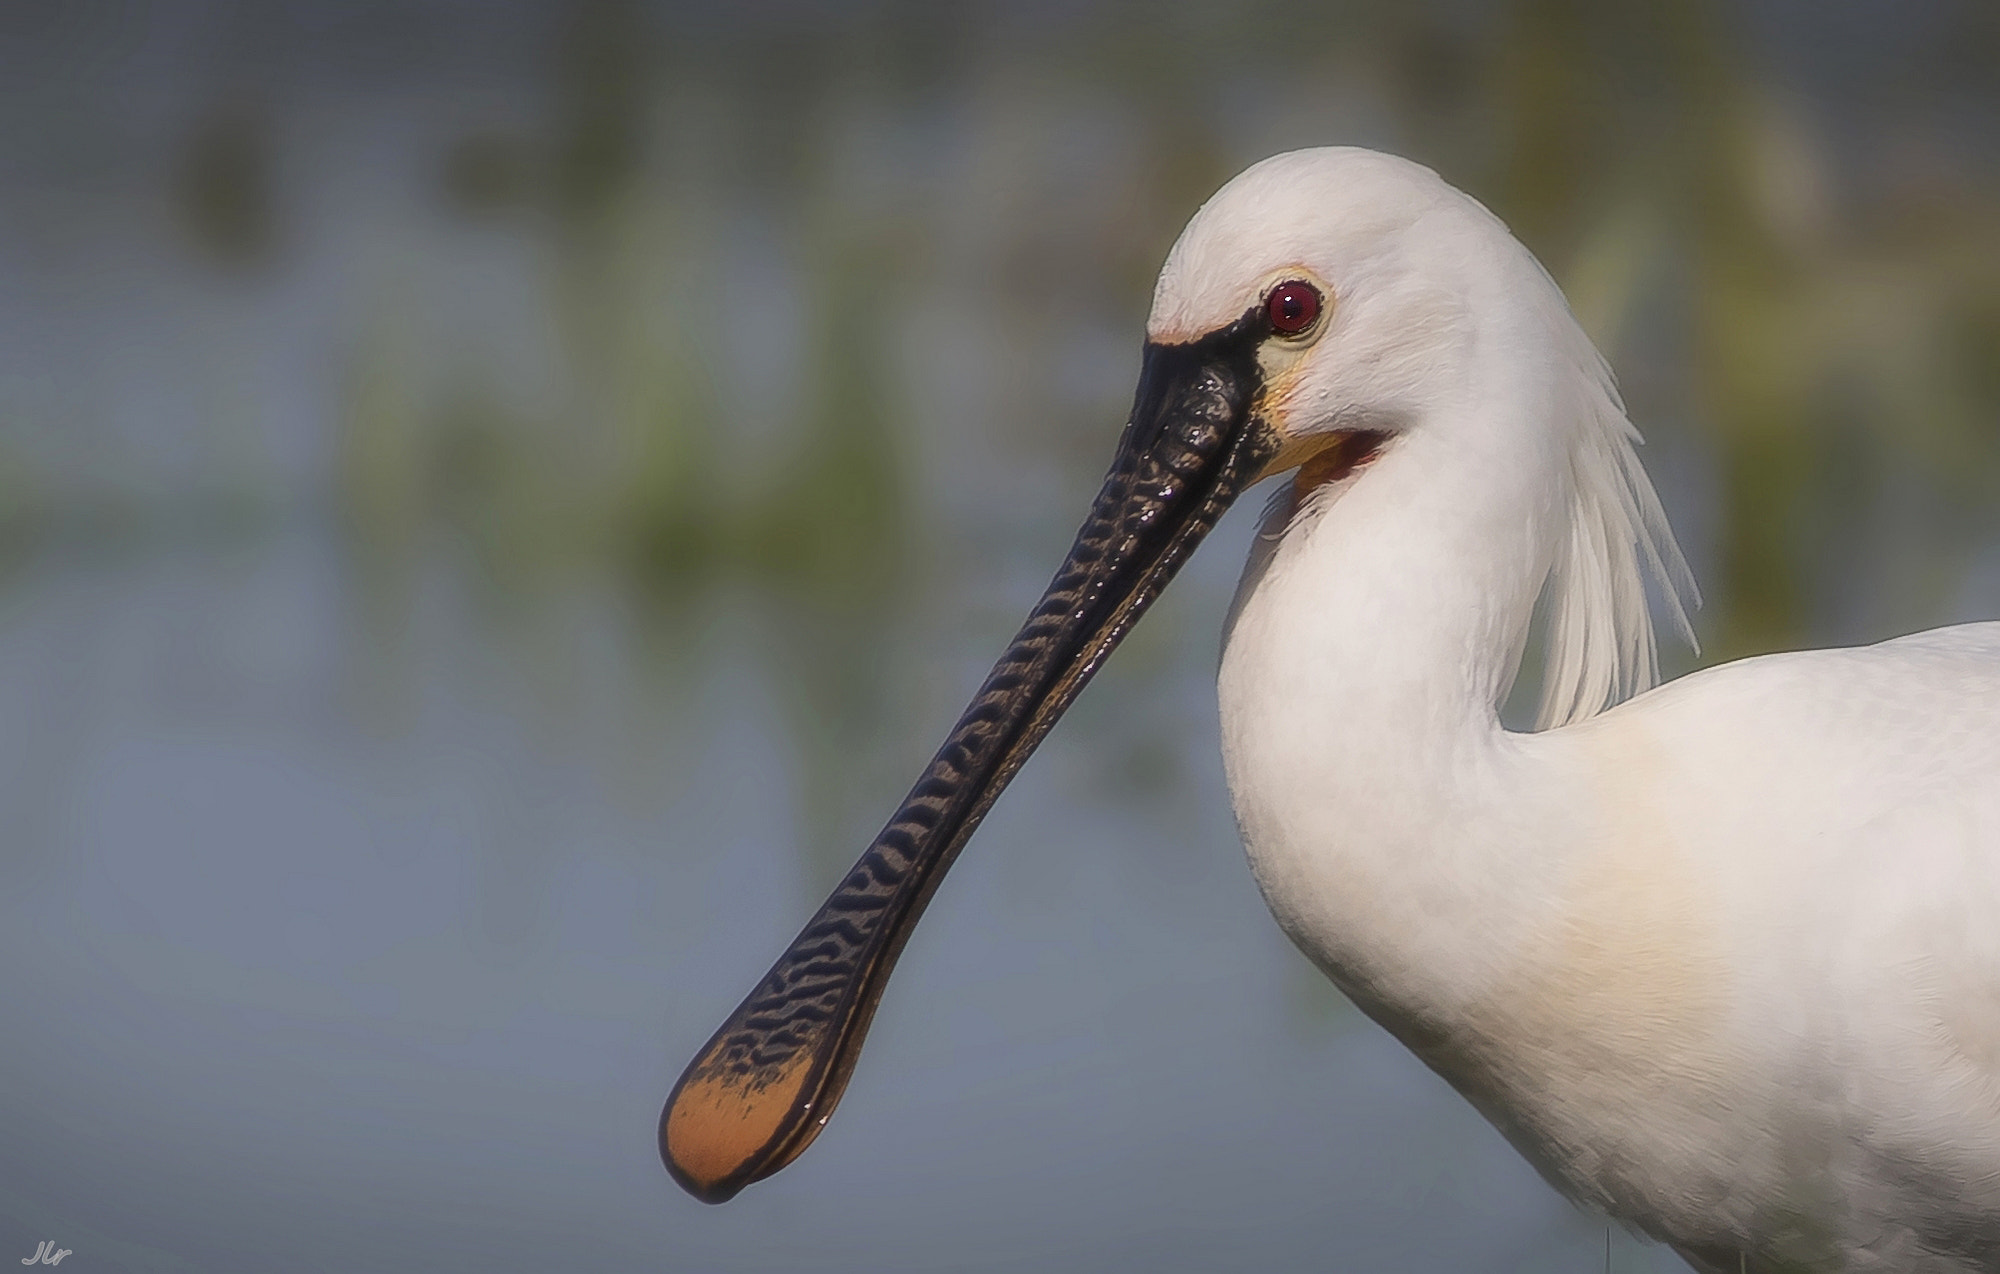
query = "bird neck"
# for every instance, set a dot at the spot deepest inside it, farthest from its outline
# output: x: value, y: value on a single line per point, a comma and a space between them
x: 1360, y: 686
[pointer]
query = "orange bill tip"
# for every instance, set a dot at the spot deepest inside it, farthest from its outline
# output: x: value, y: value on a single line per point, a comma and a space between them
x: 722, y: 1130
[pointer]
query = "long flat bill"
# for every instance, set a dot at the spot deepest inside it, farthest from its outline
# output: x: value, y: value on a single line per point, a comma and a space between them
x: 769, y: 1079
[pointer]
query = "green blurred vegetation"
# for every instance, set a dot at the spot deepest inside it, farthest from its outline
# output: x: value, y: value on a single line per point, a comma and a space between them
x: 785, y: 267
x: 1823, y: 329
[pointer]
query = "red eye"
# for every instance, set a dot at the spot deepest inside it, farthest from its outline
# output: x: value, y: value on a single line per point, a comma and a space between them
x: 1293, y: 307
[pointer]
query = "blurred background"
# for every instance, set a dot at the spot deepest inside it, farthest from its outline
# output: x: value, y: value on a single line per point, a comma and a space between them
x: 498, y: 499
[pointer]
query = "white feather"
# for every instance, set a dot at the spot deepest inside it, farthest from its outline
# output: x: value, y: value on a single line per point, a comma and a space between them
x: 1600, y: 635
x: 1722, y: 960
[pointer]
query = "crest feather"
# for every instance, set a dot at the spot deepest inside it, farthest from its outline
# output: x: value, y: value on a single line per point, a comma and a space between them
x: 1601, y: 647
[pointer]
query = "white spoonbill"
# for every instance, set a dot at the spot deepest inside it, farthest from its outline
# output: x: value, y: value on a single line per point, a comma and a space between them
x: 1722, y: 961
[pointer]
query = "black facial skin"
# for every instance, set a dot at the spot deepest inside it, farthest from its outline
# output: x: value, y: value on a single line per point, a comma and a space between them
x: 768, y: 1080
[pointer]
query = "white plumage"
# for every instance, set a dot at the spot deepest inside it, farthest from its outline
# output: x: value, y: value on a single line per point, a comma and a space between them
x: 1722, y: 960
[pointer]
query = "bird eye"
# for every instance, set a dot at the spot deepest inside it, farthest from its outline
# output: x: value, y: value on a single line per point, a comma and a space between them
x: 1293, y: 307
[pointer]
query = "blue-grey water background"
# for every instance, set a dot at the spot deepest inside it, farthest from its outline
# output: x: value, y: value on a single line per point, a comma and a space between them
x: 497, y: 501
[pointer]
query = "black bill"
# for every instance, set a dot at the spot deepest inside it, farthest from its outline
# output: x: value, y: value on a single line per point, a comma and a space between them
x: 768, y: 1080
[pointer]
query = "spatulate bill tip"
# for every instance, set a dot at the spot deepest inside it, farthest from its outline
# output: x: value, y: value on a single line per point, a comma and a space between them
x: 702, y: 1191
x: 724, y: 1127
